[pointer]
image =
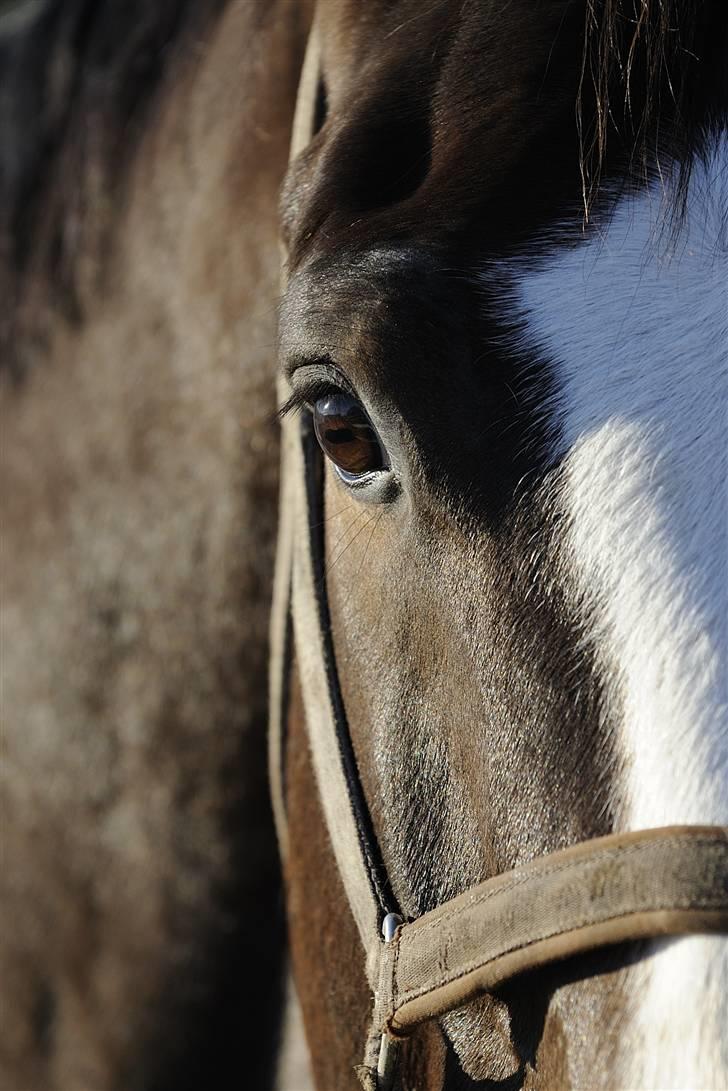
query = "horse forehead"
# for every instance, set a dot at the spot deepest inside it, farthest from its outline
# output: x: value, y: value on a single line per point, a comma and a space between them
x: 368, y: 305
x: 436, y: 121
x: 468, y: 44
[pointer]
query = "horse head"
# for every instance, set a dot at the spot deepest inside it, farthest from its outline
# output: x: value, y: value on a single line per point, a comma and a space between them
x: 505, y: 325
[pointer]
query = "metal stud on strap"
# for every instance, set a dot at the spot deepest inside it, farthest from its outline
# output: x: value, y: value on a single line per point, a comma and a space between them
x: 389, y: 1047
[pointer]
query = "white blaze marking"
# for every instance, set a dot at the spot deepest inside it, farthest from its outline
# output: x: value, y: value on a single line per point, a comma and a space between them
x: 635, y: 325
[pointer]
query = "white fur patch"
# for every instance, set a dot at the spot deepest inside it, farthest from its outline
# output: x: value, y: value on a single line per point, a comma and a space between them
x: 635, y: 326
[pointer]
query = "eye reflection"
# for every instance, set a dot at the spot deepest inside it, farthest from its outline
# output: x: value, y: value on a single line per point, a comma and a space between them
x: 346, y: 435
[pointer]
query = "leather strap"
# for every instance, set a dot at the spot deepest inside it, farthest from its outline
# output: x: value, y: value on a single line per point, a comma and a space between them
x: 629, y: 886
x: 280, y: 633
x: 280, y: 643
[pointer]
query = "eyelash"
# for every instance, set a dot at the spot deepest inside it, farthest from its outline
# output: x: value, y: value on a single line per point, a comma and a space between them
x: 306, y: 397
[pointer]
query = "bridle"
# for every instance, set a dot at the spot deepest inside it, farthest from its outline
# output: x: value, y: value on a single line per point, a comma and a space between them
x: 627, y: 886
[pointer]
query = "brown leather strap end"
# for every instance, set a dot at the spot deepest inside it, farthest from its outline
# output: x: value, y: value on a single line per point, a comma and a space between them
x: 669, y: 881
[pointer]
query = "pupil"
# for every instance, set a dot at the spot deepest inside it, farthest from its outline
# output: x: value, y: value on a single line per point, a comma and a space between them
x: 339, y: 435
x: 346, y: 434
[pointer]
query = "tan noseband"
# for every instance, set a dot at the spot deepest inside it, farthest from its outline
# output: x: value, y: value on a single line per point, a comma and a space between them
x: 628, y: 886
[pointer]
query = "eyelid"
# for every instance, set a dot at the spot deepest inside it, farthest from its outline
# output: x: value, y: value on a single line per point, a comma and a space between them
x: 305, y: 398
x: 313, y: 379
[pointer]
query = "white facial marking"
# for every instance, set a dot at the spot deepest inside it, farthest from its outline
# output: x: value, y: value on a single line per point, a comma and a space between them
x: 634, y: 323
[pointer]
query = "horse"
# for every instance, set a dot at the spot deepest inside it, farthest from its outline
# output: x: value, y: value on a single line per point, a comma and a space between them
x: 142, y: 147
x: 503, y: 365
x: 504, y: 253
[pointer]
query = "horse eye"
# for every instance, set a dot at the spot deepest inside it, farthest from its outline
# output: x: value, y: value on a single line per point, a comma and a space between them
x: 347, y: 436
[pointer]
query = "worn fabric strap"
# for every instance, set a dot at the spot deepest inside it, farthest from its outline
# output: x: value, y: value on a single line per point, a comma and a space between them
x: 280, y: 634
x: 630, y: 886
x: 353, y: 849
x: 280, y: 645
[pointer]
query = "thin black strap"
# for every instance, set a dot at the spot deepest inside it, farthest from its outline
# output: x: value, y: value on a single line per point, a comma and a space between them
x: 381, y: 888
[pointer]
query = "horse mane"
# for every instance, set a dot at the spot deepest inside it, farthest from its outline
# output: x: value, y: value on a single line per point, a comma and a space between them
x: 78, y: 79
x: 653, y: 80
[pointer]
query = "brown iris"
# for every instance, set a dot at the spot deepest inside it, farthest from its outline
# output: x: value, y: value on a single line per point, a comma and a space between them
x: 346, y: 435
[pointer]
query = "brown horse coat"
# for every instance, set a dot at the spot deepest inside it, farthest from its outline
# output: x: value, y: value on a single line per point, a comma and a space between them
x: 139, y: 471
